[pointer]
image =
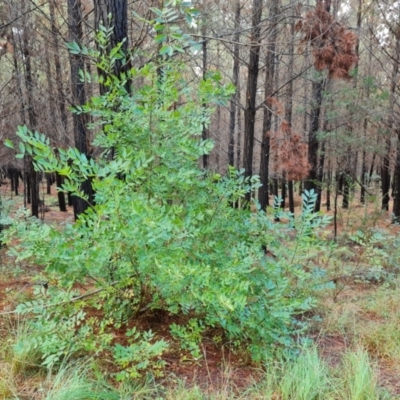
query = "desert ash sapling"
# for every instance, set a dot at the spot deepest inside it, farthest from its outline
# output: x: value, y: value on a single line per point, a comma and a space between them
x: 162, y: 235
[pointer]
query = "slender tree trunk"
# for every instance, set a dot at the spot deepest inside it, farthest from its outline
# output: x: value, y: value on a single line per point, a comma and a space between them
x: 79, y: 99
x: 113, y: 15
x: 317, y: 90
x: 335, y: 211
x: 346, y: 189
x: 291, y: 196
x: 28, y: 186
x: 235, y: 81
x: 351, y: 156
x: 60, y: 96
x: 205, y: 133
x: 320, y: 175
x: 289, y: 102
x: 251, y: 91
x: 396, y: 196
x: 239, y: 129
x: 385, y: 174
x: 218, y: 138
x: 283, y: 193
x: 371, y: 170
x: 31, y: 118
x: 263, y: 197
x: 328, y: 187
x: 48, y: 184
x: 57, y: 66
x: 364, y: 167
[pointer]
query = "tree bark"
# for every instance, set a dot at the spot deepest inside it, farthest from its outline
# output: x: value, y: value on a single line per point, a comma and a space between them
x: 113, y: 15
x: 289, y: 103
x: 251, y: 91
x: 313, y: 145
x: 205, y: 132
x: 235, y: 81
x: 32, y: 118
x: 61, y: 197
x: 317, y: 89
x: 396, y: 123
x: 79, y: 99
x: 263, y: 193
x: 57, y: 65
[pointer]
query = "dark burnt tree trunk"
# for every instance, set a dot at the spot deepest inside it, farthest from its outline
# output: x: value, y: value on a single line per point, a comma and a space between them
x: 385, y: 176
x: 205, y: 133
x: 16, y: 181
x: 251, y: 90
x: 263, y: 197
x: 321, y: 161
x: 58, y: 71
x: 396, y: 123
x: 28, y: 186
x: 396, y: 196
x: 79, y: 99
x: 32, y: 118
x: 346, y: 188
x: 118, y: 26
x: 235, y: 81
x: 60, y: 194
x: 283, y: 193
x: 365, y: 180
x: 328, y: 186
x: 391, y: 124
x: 60, y: 93
x: 49, y: 181
x: 289, y: 103
x: 313, y: 145
x: 239, y: 129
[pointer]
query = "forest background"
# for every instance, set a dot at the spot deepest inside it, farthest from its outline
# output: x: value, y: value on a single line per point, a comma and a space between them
x: 315, y: 85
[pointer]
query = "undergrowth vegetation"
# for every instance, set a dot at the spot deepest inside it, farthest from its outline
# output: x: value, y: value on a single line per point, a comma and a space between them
x: 162, y: 235
x: 166, y: 239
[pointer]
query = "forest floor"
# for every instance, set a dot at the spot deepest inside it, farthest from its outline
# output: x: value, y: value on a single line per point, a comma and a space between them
x: 361, y: 312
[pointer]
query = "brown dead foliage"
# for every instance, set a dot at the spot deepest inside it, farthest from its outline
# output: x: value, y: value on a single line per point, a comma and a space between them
x: 289, y: 153
x: 333, y: 44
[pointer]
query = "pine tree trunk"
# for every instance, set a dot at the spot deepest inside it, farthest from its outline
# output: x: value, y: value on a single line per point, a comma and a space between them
x: 32, y: 118
x: 205, y: 132
x: 396, y: 123
x: 235, y: 81
x: 79, y: 99
x: 251, y: 91
x: 61, y: 197
x: 57, y: 65
x: 263, y: 197
x: 239, y: 130
x: 317, y: 89
x: 328, y: 187
x: 16, y: 181
x: 118, y: 27
x: 318, y: 84
x: 283, y: 193
x: 289, y: 102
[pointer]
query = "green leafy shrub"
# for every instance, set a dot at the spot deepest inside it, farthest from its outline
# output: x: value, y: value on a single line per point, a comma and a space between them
x: 163, y: 234
x: 379, y: 255
x: 190, y: 336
